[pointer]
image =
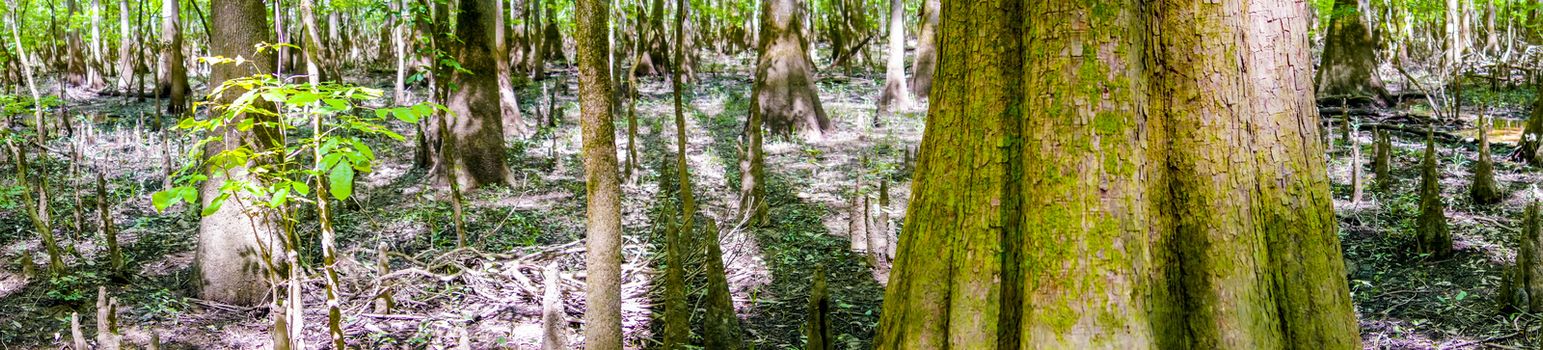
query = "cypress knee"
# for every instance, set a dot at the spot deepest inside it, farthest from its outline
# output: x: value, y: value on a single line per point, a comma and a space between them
x: 1435, y: 238
x: 817, y: 328
x: 1484, y: 190
x: 1380, y: 160
x: 1524, y: 281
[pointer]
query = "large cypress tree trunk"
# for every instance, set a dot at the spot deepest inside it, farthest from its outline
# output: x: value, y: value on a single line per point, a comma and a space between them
x: 230, y: 266
x: 1158, y: 190
x: 1349, y: 66
x: 785, y: 94
x: 476, y: 128
x: 926, y: 49
x: 173, y: 80
x: 602, y: 318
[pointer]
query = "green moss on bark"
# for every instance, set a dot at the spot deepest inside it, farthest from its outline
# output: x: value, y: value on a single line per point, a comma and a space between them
x: 1435, y: 238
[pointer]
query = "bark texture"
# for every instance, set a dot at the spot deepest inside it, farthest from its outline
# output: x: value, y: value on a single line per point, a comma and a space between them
x: 1381, y: 159
x: 926, y: 49
x: 1082, y: 187
x: 895, y: 95
x: 476, y: 128
x: 1435, y: 238
x: 230, y: 241
x: 602, y: 318
x: 1524, y: 282
x: 1349, y: 55
x: 173, y: 79
x: 1530, y: 148
x: 785, y: 95
x: 1484, y: 190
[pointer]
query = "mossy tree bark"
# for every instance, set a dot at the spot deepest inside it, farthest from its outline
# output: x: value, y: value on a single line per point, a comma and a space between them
x: 173, y: 80
x: 1349, y: 55
x: 817, y: 327
x: 1484, y: 190
x: 785, y: 94
x: 1381, y: 167
x: 231, y: 241
x: 926, y: 49
x: 476, y: 128
x: 602, y: 318
x: 1163, y: 190
x: 1530, y: 149
x: 677, y: 316
x: 1435, y: 238
x: 1523, y: 285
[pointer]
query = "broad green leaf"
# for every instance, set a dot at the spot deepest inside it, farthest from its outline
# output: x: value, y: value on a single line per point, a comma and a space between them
x: 301, y: 187
x: 363, y: 149
x: 279, y: 197
x: 336, y: 104
x: 341, y: 181
x: 214, y: 205
x: 164, y: 199
x: 405, y: 115
x: 304, y: 98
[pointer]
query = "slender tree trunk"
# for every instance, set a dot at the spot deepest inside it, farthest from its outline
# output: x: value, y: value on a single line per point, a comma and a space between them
x: 538, y: 41
x: 509, y: 106
x: 926, y: 49
x: 125, y: 49
x: 895, y: 95
x: 1212, y: 227
x: 173, y: 81
x: 602, y: 318
x: 315, y: 59
x: 96, y: 68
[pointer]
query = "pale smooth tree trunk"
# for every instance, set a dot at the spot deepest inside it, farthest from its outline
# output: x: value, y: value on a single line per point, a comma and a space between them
x: 926, y: 49
x: 126, y: 49
x: 895, y: 95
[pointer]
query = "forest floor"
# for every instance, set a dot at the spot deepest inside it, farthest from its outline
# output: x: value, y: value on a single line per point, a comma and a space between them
x: 489, y: 295
x: 491, y: 290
